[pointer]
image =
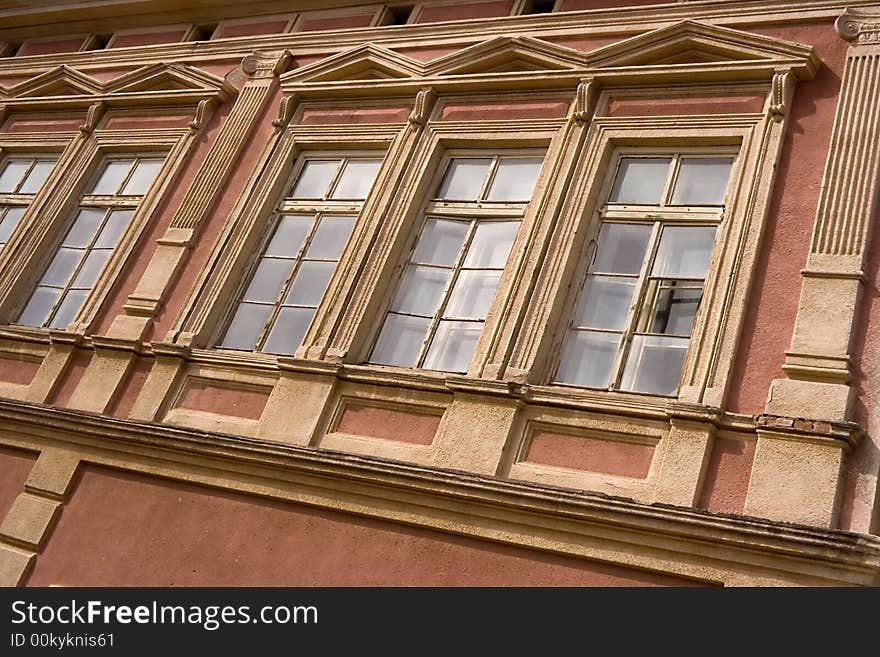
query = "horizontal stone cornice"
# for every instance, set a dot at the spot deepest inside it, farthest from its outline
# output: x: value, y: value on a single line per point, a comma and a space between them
x: 456, y: 497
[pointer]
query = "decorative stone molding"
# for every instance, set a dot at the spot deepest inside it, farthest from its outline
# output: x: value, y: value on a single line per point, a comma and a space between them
x: 817, y: 364
x: 859, y: 26
x: 744, y: 551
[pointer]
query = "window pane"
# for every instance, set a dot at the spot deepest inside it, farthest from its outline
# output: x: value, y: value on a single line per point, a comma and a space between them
x: 37, y: 177
x: 453, y: 346
x: 330, y: 237
x: 491, y: 244
x: 84, y: 227
x: 249, y: 320
x: 144, y: 174
x: 9, y: 222
x: 62, y: 266
x: 654, y: 364
x: 702, y: 181
x: 315, y: 178
x: 621, y: 248
x: 640, y: 180
x: 515, y: 179
x: 11, y: 176
x: 68, y: 309
x: 421, y: 290
x: 357, y: 179
x: 684, y: 252
x: 289, y: 235
x: 267, y: 281
x: 588, y: 358
x: 289, y: 329
x: 88, y: 273
x: 464, y: 179
x: 675, y: 305
x: 472, y: 294
x: 605, y: 303
x: 310, y: 282
x: 116, y: 224
x: 111, y: 177
x: 440, y: 242
x: 400, y: 341
x: 38, y: 307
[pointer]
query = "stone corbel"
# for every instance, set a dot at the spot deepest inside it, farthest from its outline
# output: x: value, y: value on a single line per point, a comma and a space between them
x: 781, y: 92
x: 285, y: 112
x: 93, y: 115
x: 422, y: 107
x: 203, y: 113
x: 585, y: 100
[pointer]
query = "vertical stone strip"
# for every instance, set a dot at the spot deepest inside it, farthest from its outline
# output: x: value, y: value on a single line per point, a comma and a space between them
x: 33, y: 514
x: 108, y: 369
x: 817, y: 365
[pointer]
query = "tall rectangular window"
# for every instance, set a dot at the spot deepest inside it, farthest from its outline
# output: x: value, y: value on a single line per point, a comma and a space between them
x: 632, y: 323
x: 311, y: 228
x: 20, y: 180
x: 103, y: 214
x: 438, y: 312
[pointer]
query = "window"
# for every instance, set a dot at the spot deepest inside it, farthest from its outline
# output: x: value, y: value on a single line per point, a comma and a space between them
x: 311, y: 228
x: 449, y: 282
x: 103, y: 215
x: 20, y: 180
x: 632, y: 323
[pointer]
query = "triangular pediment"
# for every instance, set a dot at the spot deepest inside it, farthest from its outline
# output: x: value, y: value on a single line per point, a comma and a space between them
x: 60, y: 81
x: 366, y: 62
x: 507, y: 54
x: 165, y: 77
x: 689, y: 42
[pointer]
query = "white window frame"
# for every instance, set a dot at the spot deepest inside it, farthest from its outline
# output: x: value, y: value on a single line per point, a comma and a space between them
x: 476, y: 212
x: 658, y: 216
x: 287, y: 205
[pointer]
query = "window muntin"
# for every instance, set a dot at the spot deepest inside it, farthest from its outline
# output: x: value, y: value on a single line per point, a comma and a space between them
x: 104, y: 213
x: 20, y: 179
x: 632, y: 323
x: 313, y: 224
x: 450, y: 279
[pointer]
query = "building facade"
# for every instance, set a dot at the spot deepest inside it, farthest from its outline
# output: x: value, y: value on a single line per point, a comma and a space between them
x: 581, y: 292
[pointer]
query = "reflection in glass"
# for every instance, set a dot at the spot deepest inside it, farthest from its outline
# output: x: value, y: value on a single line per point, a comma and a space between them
x: 491, y: 244
x: 621, y: 248
x: 400, y: 341
x: 330, y: 237
x: 605, y: 303
x: 684, y: 252
x: 288, y: 331
x: 453, y: 346
x: 357, y: 179
x: 640, y: 180
x: 421, y: 290
x: 515, y: 179
x: 143, y: 176
x: 315, y: 178
x: 464, y: 179
x: 440, y: 242
x: 588, y: 358
x: 243, y: 331
x: 472, y: 294
x: 702, y: 181
x: 654, y: 364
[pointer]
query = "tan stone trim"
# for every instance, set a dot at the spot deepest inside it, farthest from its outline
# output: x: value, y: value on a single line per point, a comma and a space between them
x: 862, y: 27
x: 619, y: 21
x: 818, y: 364
x: 744, y: 551
x: 34, y: 512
